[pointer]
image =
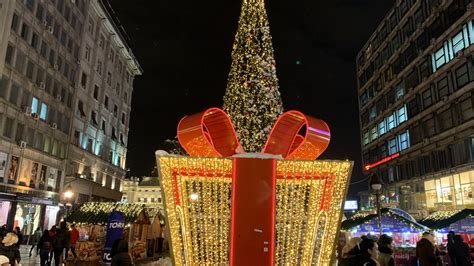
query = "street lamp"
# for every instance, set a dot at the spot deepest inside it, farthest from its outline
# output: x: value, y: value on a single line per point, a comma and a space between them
x: 68, y: 194
x: 376, y: 186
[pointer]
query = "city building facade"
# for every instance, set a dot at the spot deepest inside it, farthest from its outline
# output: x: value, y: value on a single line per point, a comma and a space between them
x: 65, y: 92
x: 415, y: 87
x: 145, y: 190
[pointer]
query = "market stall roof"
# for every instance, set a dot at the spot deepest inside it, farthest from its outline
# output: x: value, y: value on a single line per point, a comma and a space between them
x: 443, y: 219
x: 98, y: 212
x: 366, y: 216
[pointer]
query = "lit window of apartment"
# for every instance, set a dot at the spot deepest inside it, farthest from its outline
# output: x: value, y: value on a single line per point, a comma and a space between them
x: 382, y: 128
x: 404, y: 140
x: 402, y: 114
x: 44, y: 111
x: 373, y: 133
x: 391, y: 122
x: 392, y: 146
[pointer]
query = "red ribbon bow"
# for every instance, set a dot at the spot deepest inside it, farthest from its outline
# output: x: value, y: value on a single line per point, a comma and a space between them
x: 211, y: 133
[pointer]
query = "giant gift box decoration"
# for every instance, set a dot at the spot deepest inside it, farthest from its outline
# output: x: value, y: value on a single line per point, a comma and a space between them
x: 225, y: 206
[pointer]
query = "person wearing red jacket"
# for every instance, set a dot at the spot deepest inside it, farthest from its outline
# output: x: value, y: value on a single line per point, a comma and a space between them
x: 73, y: 237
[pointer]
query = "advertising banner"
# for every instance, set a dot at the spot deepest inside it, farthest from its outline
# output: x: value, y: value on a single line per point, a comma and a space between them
x: 115, y: 225
x: 3, y: 163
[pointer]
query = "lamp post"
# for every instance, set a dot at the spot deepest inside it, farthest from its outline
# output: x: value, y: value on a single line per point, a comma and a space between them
x: 376, y: 186
x: 68, y: 195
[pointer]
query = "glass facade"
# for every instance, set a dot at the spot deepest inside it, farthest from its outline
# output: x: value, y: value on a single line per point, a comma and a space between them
x: 451, y: 191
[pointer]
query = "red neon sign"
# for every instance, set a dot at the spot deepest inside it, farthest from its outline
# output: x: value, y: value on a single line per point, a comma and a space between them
x: 384, y: 160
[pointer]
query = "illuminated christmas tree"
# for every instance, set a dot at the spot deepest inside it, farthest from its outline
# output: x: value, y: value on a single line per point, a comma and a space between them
x: 252, y: 99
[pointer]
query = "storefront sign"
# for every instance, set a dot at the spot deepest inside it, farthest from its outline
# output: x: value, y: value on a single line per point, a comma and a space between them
x: 115, y: 225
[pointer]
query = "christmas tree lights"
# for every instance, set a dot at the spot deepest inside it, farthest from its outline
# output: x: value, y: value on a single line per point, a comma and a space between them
x: 252, y: 99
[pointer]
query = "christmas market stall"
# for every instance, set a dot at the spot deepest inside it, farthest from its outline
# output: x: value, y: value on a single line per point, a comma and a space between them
x: 91, y: 219
x: 396, y: 223
x: 459, y: 221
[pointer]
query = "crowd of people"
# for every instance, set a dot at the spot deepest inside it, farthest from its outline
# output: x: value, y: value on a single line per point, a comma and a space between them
x: 365, y: 251
x: 54, y: 243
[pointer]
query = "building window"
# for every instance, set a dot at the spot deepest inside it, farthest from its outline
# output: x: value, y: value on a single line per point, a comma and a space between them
x: 94, y: 118
x: 123, y: 118
x: 103, y: 126
x: 373, y: 134
x: 372, y: 113
x: 90, y: 26
x: 402, y: 114
x: 109, y: 78
x: 391, y: 122
x: 427, y: 98
x: 34, y: 40
x: 25, y: 29
x: 96, y: 92
x: 466, y: 109
x: 445, y: 120
x: 34, y: 105
x: 80, y: 109
x: 9, y: 54
x: 462, y: 76
x: 392, y: 146
x: 459, y: 42
x: 115, y: 110
x: 117, y: 88
x: 429, y: 127
x: 99, y: 67
x: 83, y: 80
x: 382, y: 129
x: 15, y: 22
x: 8, y: 128
x: 106, y: 102
x: 399, y: 90
x: 365, y: 140
x: 443, y: 87
x: 87, y: 53
x: 439, y: 58
x: 404, y: 140
x: 102, y: 41
x: 44, y: 111
x: 114, y: 134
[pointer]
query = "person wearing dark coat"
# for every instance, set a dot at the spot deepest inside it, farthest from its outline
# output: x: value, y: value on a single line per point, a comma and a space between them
x: 18, y: 233
x: 385, y: 251
x: 450, y: 248
x: 425, y: 250
x: 121, y: 256
x: 9, y: 249
x: 60, y: 242
x: 45, y: 244
x: 369, y: 252
x: 461, y: 252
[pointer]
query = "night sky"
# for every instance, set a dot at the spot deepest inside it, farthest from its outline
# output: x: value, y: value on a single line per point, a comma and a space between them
x: 184, y: 47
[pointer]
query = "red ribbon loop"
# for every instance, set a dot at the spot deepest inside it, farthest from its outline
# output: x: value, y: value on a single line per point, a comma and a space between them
x: 294, y: 136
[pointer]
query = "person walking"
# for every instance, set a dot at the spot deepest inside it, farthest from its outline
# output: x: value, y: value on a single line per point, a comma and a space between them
x: 60, y: 242
x: 450, y: 248
x: 425, y: 250
x: 73, y: 237
x: 9, y: 249
x: 36, y: 238
x: 45, y: 244
x: 122, y: 257
x: 461, y: 252
x: 385, y: 257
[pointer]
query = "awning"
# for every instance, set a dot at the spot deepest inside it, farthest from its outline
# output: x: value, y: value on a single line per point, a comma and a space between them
x: 391, y: 217
x: 445, y: 219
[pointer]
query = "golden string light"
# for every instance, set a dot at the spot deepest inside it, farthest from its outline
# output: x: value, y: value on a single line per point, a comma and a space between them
x: 252, y: 99
x: 301, y: 237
